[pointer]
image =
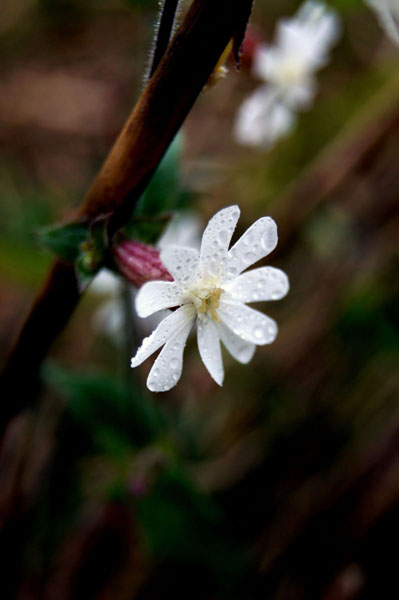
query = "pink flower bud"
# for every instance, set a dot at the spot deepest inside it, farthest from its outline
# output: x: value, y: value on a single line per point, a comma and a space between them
x: 140, y: 263
x: 253, y: 41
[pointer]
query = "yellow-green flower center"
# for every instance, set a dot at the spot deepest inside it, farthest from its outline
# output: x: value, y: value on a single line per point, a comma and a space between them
x: 206, y: 301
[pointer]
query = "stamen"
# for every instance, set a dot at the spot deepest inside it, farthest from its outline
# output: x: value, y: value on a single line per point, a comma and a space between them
x: 207, y: 302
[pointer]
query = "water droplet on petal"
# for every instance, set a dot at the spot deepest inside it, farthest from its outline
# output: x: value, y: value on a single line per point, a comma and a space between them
x: 174, y: 363
x: 213, y: 267
x: 249, y: 257
x: 268, y: 239
x: 259, y: 332
x: 249, y: 239
x: 223, y: 236
x: 232, y: 271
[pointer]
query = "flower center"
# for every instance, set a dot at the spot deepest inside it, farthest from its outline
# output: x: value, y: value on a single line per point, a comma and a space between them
x: 206, y: 301
x: 290, y: 72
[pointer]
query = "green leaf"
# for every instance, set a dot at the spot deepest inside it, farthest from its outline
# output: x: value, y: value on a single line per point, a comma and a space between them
x: 174, y: 507
x: 64, y: 240
x: 113, y: 415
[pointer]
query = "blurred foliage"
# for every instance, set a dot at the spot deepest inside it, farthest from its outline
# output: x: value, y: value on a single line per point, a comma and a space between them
x: 136, y: 438
x: 104, y: 408
x: 164, y: 194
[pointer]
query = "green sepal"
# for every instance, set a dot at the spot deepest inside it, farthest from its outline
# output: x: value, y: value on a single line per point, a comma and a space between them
x: 91, y: 255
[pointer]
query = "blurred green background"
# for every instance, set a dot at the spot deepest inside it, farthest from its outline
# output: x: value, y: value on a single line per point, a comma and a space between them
x: 281, y: 485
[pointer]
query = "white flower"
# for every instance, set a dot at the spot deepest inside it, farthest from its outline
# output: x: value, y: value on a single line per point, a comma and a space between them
x: 387, y: 12
x: 288, y: 69
x: 210, y: 288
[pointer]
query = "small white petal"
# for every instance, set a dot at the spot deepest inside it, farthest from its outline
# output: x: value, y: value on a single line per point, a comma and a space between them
x: 265, y: 283
x: 182, y: 230
x: 216, y: 239
x: 163, y: 333
x: 387, y: 12
x: 167, y: 368
x: 300, y: 96
x: 209, y: 348
x: 258, y: 241
x: 264, y: 60
x: 249, y: 324
x: 182, y: 263
x: 239, y: 349
x: 157, y: 295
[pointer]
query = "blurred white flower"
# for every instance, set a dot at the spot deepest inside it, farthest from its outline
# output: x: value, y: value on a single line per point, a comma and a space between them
x: 387, y: 12
x: 108, y: 318
x: 288, y: 68
x: 210, y: 288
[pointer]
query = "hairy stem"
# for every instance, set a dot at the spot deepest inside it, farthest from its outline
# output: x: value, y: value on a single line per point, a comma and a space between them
x: 164, y: 32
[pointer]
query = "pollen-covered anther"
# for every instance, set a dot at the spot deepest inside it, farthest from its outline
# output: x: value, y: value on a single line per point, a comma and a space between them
x: 210, y: 304
x: 205, y: 301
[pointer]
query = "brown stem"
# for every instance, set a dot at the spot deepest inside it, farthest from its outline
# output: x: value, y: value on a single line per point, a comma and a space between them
x: 160, y: 111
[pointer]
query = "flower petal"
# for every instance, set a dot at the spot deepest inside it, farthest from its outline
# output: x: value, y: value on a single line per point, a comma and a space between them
x: 182, y: 263
x: 248, y: 323
x: 239, y: 349
x: 157, y: 295
x: 163, y: 333
x: 216, y: 239
x: 265, y: 283
x: 166, y: 370
x: 263, y: 118
x: 258, y: 241
x: 209, y: 348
